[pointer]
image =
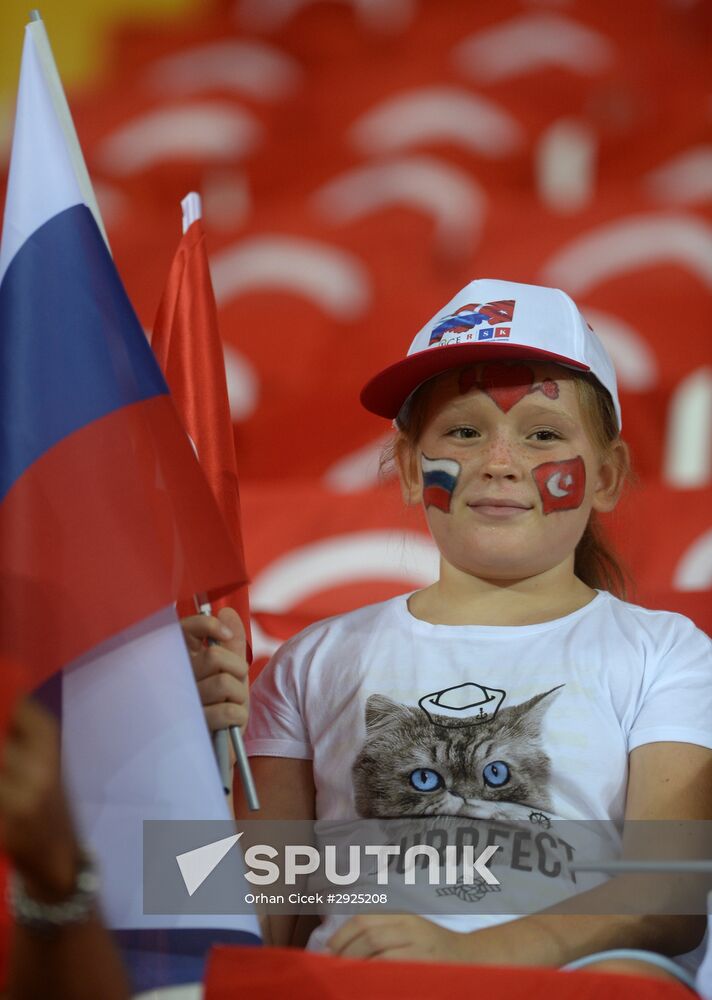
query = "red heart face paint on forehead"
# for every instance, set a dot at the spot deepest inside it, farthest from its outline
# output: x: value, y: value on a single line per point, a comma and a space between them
x: 468, y: 380
x: 505, y: 384
x: 561, y: 485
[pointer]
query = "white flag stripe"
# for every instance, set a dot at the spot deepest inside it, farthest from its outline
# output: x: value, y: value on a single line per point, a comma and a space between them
x: 448, y: 465
x: 135, y: 747
x: 35, y: 194
x: 56, y: 92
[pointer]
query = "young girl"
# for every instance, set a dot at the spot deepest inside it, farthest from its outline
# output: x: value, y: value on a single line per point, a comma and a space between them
x: 516, y: 686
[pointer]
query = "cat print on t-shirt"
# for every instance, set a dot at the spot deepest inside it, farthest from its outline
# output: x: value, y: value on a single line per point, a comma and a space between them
x: 457, y: 753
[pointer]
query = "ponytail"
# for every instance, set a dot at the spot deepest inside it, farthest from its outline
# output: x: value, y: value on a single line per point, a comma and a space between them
x: 596, y: 564
x: 594, y: 559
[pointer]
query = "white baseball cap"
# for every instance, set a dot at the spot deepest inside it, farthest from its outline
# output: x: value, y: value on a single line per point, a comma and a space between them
x: 494, y: 320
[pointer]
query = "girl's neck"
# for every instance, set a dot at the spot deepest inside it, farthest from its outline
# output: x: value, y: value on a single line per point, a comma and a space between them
x: 459, y: 599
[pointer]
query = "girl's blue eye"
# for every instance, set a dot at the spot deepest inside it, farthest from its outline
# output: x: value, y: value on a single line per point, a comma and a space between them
x: 425, y: 780
x: 496, y: 774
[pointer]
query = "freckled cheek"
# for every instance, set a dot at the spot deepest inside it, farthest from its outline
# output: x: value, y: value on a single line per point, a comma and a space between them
x: 473, y: 462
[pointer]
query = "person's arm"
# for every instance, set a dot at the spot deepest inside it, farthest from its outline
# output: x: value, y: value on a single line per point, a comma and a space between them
x: 667, y: 781
x: 286, y: 787
x: 77, y: 961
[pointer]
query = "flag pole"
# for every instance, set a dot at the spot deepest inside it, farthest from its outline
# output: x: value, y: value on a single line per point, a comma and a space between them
x: 686, y: 867
x: 191, y: 211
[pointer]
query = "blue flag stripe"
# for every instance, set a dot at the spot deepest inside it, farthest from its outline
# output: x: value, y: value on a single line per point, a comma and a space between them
x: 71, y: 347
x: 170, y: 956
x: 438, y: 477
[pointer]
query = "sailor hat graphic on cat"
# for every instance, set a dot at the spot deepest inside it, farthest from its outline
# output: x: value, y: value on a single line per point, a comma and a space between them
x: 493, y: 320
x: 462, y: 705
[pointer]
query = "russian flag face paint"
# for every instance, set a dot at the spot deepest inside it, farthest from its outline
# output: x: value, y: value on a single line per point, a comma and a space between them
x: 561, y: 484
x: 440, y: 477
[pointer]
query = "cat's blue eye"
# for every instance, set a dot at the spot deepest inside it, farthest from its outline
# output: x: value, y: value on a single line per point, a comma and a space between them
x: 425, y: 780
x: 496, y: 774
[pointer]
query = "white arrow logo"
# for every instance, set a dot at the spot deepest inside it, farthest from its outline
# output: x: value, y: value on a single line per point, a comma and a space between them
x: 196, y: 865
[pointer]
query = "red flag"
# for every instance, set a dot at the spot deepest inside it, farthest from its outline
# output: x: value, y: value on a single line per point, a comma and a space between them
x: 187, y: 343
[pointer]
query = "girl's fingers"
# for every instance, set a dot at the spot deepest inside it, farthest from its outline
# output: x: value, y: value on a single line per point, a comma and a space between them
x: 230, y: 619
x: 374, y: 943
x: 227, y: 630
x: 217, y: 660
x: 220, y: 667
x: 399, y: 953
x: 347, y: 936
x: 343, y: 936
x: 224, y: 715
x: 198, y: 628
x: 222, y: 687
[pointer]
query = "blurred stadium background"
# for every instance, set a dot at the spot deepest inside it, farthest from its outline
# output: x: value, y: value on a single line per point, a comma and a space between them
x: 360, y: 161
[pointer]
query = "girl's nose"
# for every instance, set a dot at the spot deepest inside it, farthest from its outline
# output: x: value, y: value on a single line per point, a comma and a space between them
x: 499, y: 459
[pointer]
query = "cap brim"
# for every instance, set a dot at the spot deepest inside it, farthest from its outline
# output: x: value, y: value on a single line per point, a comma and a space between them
x: 386, y: 392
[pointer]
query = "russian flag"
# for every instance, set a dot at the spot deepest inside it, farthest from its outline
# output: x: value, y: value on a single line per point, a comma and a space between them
x: 105, y: 520
x: 439, y: 481
x: 104, y: 511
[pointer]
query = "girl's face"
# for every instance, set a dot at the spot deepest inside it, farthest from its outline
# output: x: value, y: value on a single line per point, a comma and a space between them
x: 507, y: 470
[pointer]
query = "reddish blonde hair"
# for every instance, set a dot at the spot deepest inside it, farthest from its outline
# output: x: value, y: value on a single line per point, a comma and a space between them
x: 595, y: 562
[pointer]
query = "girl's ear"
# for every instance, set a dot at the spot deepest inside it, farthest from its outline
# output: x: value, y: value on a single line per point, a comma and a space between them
x: 612, y: 474
x: 407, y: 459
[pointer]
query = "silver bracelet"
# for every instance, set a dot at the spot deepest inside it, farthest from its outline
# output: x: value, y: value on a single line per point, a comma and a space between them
x: 76, y: 909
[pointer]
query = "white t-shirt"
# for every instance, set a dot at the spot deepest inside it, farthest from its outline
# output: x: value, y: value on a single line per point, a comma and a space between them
x: 552, y: 710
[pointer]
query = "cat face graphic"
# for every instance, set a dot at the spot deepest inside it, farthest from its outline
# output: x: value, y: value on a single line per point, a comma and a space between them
x: 411, y: 766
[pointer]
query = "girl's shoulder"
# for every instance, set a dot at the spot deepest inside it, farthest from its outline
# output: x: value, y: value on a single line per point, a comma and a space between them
x: 664, y: 629
x: 359, y: 622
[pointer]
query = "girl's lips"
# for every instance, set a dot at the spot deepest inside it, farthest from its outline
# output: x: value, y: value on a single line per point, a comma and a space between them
x: 499, y: 508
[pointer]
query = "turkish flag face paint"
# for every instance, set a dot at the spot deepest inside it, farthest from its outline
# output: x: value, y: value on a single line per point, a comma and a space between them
x: 561, y: 484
